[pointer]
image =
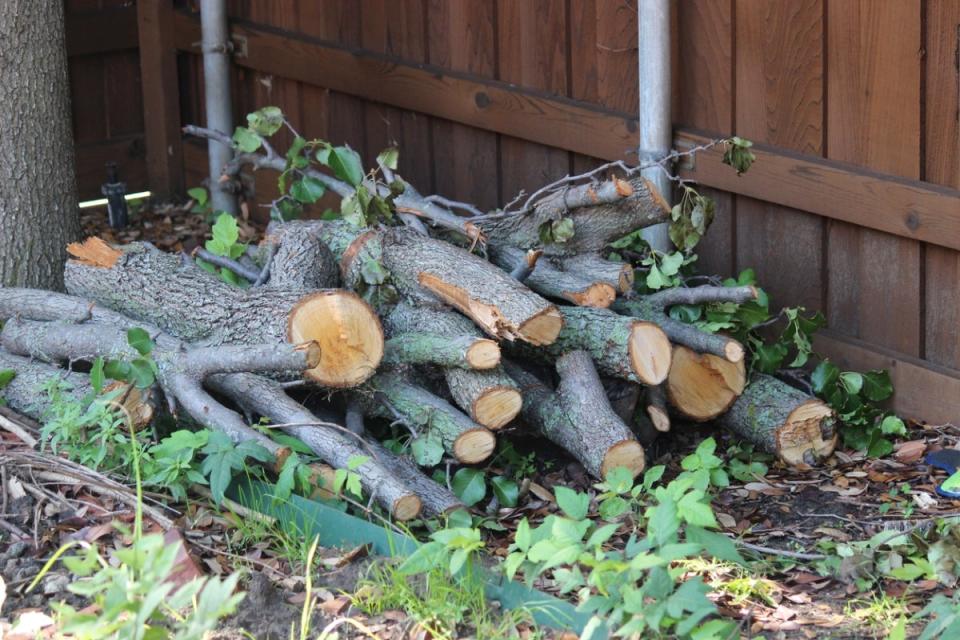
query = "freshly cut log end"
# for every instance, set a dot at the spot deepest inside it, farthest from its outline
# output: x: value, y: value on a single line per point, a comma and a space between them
x: 778, y: 419
x: 734, y: 351
x: 702, y: 386
x: 483, y: 354
x: 649, y: 350
x: 628, y: 454
x: 136, y: 404
x: 598, y: 294
x: 407, y: 508
x: 94, y: 252
x: 474, y: 446
x: 542, y: 329
x: 656, y: 196
x: 659, y: 418
x: 348, y: 334
x: 497, y: 407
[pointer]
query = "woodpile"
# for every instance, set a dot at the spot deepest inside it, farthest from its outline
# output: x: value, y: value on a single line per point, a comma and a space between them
x: 489, y: 329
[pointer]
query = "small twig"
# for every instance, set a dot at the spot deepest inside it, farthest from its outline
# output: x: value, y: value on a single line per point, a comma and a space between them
x: 454, y: 204
x: 227, y: 263
x: 17, y: 430
x: 265, y: 272
x: 798, y: 555
x: 14, y: 529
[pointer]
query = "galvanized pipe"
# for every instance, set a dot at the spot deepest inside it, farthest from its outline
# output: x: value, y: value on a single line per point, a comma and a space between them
x: 656, y: 128
x: 216, y: 83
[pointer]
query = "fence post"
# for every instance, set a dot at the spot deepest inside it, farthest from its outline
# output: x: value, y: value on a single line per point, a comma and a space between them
x: 161, y: 98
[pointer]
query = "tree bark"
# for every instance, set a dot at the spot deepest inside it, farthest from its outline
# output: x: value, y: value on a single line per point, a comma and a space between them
x: 38, y: 193
x: 546, y: 279
x: 463, y: 352
x: 578, y: 416
x: 591, y: 266
x: 147, y: 284
x: 781, y: 420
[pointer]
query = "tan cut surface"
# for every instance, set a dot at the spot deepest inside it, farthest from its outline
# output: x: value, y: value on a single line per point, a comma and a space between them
x: 483, y: 354
x: 347, y: 331
x: 599, y: 295
x: 703, y: 386
x: 628, y: 453
x: 649, y: 351
x: 407, y: 507
x: 543, y: 328
x: 475, y: 445
x: 94, y: 252
x: 659, y: 418
x: 496, y: 407
x: 803, y: 433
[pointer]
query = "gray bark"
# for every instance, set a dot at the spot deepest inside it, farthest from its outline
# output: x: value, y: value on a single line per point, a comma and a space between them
x: 548, y: 280
x: 38, y: 193
x: 24, y: 393
x: 300, y: 258
x: 591, y: 266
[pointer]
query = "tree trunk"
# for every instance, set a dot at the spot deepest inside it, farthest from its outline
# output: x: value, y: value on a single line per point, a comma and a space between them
x: 146, y: 284
x: 38, y: 193
x: 781, y: 420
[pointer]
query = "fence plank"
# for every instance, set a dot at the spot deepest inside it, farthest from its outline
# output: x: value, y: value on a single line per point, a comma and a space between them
x: 91, y: 32
x: 874, y: 82
x: 780, y: 102
x: 942, y: 165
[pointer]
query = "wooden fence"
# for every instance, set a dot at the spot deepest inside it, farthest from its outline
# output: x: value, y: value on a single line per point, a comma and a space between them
x: 853, y: 207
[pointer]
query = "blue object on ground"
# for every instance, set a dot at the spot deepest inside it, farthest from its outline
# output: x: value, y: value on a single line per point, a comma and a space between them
x: 948, y: 460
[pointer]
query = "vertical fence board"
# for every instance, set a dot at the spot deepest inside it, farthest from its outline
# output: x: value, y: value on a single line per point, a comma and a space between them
x: 780, y: 102
x: 874, y: 120
x: 705, y: 100
x: 533, y: 54
x: 942, y: 165
x: 462, y: 38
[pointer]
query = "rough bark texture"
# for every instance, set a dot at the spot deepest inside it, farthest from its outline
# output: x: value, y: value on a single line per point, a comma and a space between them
x: 578, y: 416
x: 436, y: 499
x: 144, y: 283
x: 781, y: 420
x: 591, y: 266
x: 464, y: 351
x: 24, y: 391
x: 38, y: 193
x: 267, y: 398
x: 546, y: 279
x: 462, y: 438
x: 594, y: 226
x: 655, y: 307
x: 300, y: 258
x: 622, y: 347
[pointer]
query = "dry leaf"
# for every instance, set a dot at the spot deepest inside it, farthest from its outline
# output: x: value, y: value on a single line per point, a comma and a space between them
x: 911, y: 451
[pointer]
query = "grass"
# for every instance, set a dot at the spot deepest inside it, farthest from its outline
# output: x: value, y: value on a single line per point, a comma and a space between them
x: 738, y: 583
x: 881, y: 613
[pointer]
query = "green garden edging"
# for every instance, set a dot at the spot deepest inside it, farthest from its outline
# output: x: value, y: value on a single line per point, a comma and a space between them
x: 335, y: 528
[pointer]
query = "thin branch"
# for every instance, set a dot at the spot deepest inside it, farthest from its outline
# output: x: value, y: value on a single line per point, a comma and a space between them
x: 226, y: 263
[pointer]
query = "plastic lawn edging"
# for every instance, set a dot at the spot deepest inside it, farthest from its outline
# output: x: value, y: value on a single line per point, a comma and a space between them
x: 334, y: 528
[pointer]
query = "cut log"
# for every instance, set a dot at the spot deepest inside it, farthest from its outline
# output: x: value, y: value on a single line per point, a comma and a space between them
x: 147, y: 284
x: 701, y: 387
x: 778, y: 419
x: 394, y: 398
x: 546, y: 279
x: 591, y: 266
x: 299, y: 260
x: 437, y: 500
x: 578, y: 416
x: 489, y: 397
x: 655, y: 307
x: 622, y: 347
x: 463, y: 351
x: 25, y: 392
x: 622, y: 207
x: 428, y: 270
x: 654, y: 405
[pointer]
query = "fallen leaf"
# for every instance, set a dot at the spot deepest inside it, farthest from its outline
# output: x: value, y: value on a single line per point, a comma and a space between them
x: 911, y: 451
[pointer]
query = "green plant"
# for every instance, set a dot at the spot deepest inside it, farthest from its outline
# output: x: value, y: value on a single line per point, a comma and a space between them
x: 224, y: 458
x: 6, y: 377
x: 856, y: 397
x: 737, y: 154
x: 201, y: 202
x: 690, y: 218
x: 944, y: 618
x: 225, y: 241
x: 141, y: 372
x: 470, y: 485
x: 745, y: 464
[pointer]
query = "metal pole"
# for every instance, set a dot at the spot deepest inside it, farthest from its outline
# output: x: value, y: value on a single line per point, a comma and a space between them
x: 216, y: 84
x: 656, y: 133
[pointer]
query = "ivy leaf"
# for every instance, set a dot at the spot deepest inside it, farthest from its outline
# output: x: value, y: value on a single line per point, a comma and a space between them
x: 562, y: 230
x: 266, y: 121
x: 388, y: 158
x: 506, y: 491
x: 140, y: 340
x: 852, y: 382
x: 427, y: 450
x: 352, y: 212
x: 572, y: 503
x: 346, y: 165
x: 671, y: 263
x: 893, y: 426
x: 769, y: 357
x: 824, y: 377
x: 877, y: 386
x: 655, y: 279
x: 246, y: 140
x: 141, y: 373
x: 199, y: 195
x: 96, y: 376
x: 294, y: 156
x: 469, y: 485
x: 307, y: 190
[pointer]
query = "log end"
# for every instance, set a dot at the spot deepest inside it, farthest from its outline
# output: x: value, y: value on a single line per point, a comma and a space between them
x: 660, y: 418
x: 656, y: 196
x: 543, y: 328
x: 497, y: 407
x: 474, y: 445
x: 347, y: 331
x: 733, y: 351
x: 649, y: 351
x: 134, y: 403
x: 808, y: 435
x: 626, y: 453
x: 312, y: 353
x: 703, y: 386
x: 94, y: 252
x: 599, y: 295
x: 406, y: 507
x: 483, y: 354
x: 625, y: 279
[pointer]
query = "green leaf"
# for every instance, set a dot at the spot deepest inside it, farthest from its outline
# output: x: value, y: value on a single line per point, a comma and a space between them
x: 824, y: 376
x: 695, y: 511
x: 427, y: 450
x: 892, y: 425
x: 388, y: 158
x: 572, y: 503
x: 96, y: 376
x: 116, y: 370
x: 851, y: 381
x: 769, y: 357
x: 141, y: 373
x: 307, y: 190
x: 716, y: 544
x: 140, y: 340
x: 199, y: 194
x: 655, y: 279
x: 562, y: 230
x: 294, y: 155
x: 246, y: 140
x: 266, y: 121
x: 346, y: 165
x: 225, y: 233
x: 506, y: 491
x: 7, y: 376
x: 613, y: 507
x: 352, y: 211
x: 423, y: 560
x: 469, y: 485
x: 522, y: 536
x: 877, y: 386
x: 373, y: 272
x: 671, y: 263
